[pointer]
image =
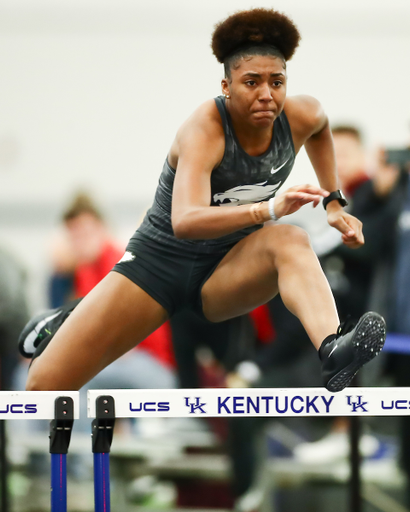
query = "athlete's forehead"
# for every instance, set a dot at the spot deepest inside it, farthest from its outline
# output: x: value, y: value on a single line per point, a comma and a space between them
x: 260, y: 65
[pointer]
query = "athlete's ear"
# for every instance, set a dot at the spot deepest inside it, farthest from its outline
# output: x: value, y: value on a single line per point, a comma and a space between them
x: 225, y: 88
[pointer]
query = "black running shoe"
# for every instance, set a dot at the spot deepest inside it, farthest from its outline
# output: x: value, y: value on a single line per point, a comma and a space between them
x: 344, y: 353
x: 41, y: 326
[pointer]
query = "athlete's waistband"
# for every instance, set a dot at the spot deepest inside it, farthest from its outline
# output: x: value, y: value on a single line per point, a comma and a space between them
x: 211, y: 246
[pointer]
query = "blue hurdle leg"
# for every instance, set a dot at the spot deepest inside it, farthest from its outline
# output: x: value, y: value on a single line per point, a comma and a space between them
x: 58, y: 482
x: 102, y: 482
x: 102, y: 429
x: 60, y: 435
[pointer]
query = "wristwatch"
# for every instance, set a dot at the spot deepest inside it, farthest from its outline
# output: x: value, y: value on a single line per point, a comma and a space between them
x: 336, y: 195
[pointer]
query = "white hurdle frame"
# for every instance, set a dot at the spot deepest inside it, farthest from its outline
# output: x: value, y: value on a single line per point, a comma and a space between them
x: 34, y: 405
x: 267, y: 402
x: 61, y: 408
x: 352, y: 402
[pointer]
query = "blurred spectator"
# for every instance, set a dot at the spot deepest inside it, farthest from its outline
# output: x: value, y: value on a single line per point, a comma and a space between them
x: 392, y: 189
x: 13, y: 314
x: 234, y: 346
x: 350, y: 274
x: 282, y: 358
x: 229, y: 341
x: 84, y: 252
x: 267, y: 348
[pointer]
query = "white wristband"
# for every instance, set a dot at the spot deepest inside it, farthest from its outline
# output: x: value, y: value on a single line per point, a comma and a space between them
x: 271, y: 207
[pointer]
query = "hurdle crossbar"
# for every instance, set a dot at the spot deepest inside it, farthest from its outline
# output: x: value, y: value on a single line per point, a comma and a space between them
x: 34, y: 405
x: 273, y: 402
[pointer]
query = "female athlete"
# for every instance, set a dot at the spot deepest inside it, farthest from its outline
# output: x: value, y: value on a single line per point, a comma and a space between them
x: 203, y: 244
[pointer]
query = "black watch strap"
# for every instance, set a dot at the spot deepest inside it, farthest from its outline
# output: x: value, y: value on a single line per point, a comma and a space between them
x: 336, y: 195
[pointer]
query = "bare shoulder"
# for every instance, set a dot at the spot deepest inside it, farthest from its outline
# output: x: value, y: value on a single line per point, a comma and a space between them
x: 306, y: 117
x: 205, y: 121
x: 203, y: 127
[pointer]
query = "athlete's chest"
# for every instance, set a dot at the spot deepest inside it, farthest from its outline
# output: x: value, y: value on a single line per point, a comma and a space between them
x: 242, y: 179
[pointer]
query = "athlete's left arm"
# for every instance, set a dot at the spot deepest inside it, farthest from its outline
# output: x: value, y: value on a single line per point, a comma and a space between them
x: 310, y: 127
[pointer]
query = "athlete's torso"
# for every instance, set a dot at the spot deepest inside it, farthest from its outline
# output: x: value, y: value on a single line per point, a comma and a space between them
x: 238, y: 179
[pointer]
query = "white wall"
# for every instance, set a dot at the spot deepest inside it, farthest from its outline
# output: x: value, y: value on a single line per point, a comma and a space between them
x: 92, y: 91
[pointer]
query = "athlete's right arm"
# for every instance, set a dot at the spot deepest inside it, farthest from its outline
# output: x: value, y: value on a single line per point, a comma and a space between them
x: 197, y: 150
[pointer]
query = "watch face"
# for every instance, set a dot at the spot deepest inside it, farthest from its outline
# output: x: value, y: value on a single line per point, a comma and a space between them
x: 337, y: 195
x: 342, y: 200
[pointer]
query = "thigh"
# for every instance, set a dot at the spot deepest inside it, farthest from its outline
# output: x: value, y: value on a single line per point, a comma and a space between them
x: 114, y: 317
x: 246, y: 277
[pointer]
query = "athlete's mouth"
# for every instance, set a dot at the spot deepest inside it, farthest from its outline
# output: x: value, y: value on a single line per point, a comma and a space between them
x: 264, y: 113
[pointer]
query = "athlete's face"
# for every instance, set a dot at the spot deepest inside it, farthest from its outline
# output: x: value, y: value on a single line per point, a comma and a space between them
x: 256, y: 90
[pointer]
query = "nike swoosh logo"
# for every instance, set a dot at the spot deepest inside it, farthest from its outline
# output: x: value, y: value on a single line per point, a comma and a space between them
x: 279, y: 168
x: 31, y: 338
x: 333, y: 349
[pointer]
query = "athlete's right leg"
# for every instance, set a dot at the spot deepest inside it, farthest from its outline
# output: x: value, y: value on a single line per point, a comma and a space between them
x: 114, y: 317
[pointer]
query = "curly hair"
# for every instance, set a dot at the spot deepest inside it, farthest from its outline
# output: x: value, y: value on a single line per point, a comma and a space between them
x: 252, y: 32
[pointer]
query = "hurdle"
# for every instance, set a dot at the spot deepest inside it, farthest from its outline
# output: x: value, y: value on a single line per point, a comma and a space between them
x: 241, y: 402
x: 62, y: 408
x: 352, y: 402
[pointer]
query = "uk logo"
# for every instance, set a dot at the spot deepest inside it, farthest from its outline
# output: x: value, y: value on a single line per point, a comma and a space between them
x: 195, y: 405
x: 358, y: 404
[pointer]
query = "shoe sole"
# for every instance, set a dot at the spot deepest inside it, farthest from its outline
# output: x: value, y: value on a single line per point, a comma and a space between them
x: 367, y: 341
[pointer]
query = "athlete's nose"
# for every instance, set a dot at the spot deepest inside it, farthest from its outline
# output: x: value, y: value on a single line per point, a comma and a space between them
x: 265, y: 93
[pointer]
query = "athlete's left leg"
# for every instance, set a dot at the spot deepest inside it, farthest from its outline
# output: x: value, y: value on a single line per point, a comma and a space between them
x: 279, y: 259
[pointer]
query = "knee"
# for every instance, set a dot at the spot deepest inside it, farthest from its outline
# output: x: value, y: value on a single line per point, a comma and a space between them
x: 289, y: 241
x: 287, y: 235
x: 296, y: 235
x: 35, y: 381
x: 34, y: 385
x: 40, y: 385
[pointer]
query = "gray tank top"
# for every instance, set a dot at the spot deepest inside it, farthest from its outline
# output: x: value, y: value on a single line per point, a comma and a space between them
x: 238, y: 179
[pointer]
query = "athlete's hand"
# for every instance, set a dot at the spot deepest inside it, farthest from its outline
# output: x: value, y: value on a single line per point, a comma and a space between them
x: 349, y: 226
x: 294, y: 198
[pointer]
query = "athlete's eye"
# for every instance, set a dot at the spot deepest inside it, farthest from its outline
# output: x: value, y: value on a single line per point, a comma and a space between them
x: 277, y: 83
x: 250, y: 82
